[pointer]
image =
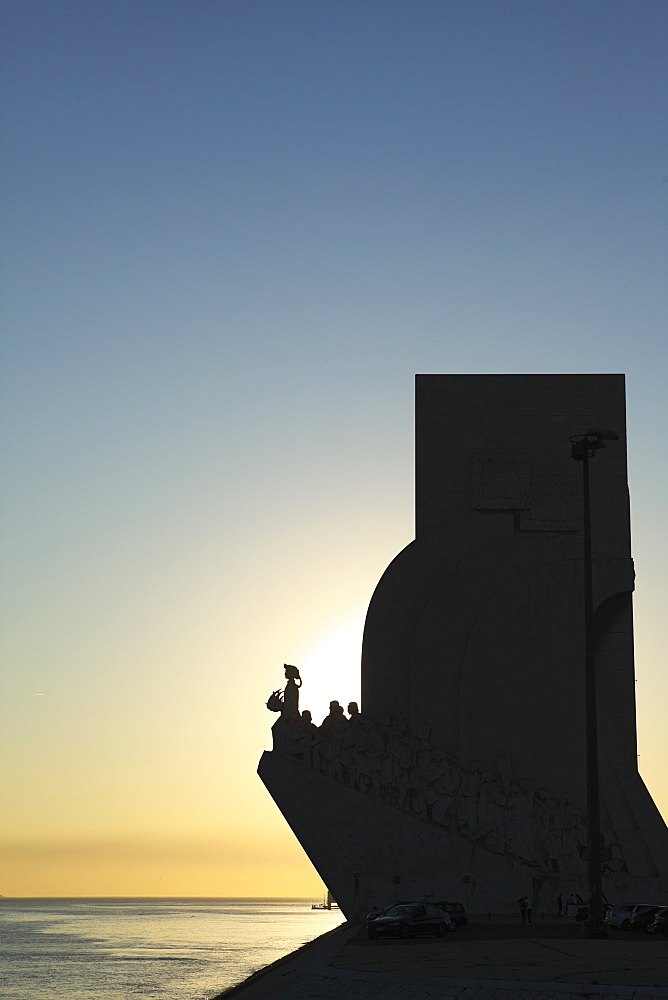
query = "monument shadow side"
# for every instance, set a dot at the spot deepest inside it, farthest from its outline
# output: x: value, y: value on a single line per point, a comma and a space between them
x: 464, y: 776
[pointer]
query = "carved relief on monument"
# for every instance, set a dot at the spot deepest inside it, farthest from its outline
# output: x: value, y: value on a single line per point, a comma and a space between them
x: 501, y: 480
x: 499, y: 811
x: 545, y: 501
x: 554, y: 503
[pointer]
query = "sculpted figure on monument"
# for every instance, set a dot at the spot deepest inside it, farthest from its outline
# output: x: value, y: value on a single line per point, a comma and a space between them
x: 395, y: 761
x: 370, y: 753
x: 519, y: 842
x: 426, y: 774
x: 495, y: 810
x: 355, y: 716
x: 305, y: 738
x: 350, y: 744
x: 468, y: 799
x: 335, y: 723
x: 291, y: 693
x: 406, y: 780
x: 491, y: 813
x: 332, y: 731
x: 611, y: 854
x: 287, y: 703
x: 548, y: 846
x: 445, y: 789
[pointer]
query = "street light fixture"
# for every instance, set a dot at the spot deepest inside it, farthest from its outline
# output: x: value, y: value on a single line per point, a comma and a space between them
x: 584, y: 447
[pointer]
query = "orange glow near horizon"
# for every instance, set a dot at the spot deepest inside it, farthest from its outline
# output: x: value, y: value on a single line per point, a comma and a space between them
x: 233, y: 865
x: 168, y: 812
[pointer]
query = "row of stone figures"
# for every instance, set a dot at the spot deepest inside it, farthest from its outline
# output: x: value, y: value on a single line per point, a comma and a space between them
x: 497, y: 811
x: 295, y: 732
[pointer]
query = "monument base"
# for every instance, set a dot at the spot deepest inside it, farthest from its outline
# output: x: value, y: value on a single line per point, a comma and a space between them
x: 398, y: 856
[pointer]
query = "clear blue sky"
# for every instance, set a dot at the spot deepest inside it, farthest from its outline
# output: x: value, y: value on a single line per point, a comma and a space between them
x: 233, y: 231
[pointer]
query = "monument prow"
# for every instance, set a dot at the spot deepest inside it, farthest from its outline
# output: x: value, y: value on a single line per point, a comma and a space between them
x: 468, y: 759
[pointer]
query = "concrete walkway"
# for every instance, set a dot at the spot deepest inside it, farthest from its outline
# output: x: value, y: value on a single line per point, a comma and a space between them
x: 484, y: 961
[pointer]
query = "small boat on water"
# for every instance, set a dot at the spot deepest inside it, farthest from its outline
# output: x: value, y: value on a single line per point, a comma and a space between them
x: 327, y: 904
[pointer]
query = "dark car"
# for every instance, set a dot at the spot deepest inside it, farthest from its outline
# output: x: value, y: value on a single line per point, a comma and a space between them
x: 406, y: 920
x: 643, y: 916
x: 378, y: 911
x: 637, y: 910
x: 455, y: 911
x: 660, y: 923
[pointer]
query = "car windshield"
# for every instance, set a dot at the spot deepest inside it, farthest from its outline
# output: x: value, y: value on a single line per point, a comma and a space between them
x: 400, y: 911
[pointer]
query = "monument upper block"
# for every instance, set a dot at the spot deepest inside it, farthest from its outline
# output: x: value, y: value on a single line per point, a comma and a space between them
x: 488, y: 443
x: 475, y: 631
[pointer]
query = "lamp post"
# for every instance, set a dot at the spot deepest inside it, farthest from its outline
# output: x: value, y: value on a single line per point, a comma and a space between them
x: 584, y: 447
x: 357, y: 908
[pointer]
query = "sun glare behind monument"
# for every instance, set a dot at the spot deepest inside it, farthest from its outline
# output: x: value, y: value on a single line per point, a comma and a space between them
x: 331, y: 669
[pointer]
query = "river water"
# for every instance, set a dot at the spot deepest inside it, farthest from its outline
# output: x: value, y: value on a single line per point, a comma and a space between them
x: 165, y: 949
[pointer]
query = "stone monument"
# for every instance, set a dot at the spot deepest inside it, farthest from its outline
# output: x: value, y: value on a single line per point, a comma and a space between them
x: 463, y: 775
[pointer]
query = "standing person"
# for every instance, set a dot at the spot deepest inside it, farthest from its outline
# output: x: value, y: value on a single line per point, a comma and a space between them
x: 528, y: 908
x: 521, y: 902
x: 560, y: 903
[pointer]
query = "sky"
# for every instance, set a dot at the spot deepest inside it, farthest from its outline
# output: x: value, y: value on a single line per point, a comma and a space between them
x: 234, y: 230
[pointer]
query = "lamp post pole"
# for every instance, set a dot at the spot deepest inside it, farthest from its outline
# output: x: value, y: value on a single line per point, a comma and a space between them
x: 584, y: 447
x: 357, y: 908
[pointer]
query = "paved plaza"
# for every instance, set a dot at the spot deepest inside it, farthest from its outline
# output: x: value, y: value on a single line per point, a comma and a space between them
x: 488, y: 960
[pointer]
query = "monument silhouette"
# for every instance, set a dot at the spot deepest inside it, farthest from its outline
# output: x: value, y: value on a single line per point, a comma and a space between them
x: 464, y: 773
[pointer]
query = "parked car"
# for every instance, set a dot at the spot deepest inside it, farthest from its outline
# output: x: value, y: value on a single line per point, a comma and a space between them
x: 621, y: 914
x: 643, y: 917
x: 660, y: 923
x: 455, y: 911
x: 406, y: 920
x: 377, y: 911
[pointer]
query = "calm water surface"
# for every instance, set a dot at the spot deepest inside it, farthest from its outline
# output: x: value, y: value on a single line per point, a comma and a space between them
x: 167, y: 949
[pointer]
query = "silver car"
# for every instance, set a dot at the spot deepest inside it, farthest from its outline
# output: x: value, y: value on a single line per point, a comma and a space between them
x: 620, y: 915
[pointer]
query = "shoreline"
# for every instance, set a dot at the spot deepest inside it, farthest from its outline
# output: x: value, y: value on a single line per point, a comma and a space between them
x: 298, y: 953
